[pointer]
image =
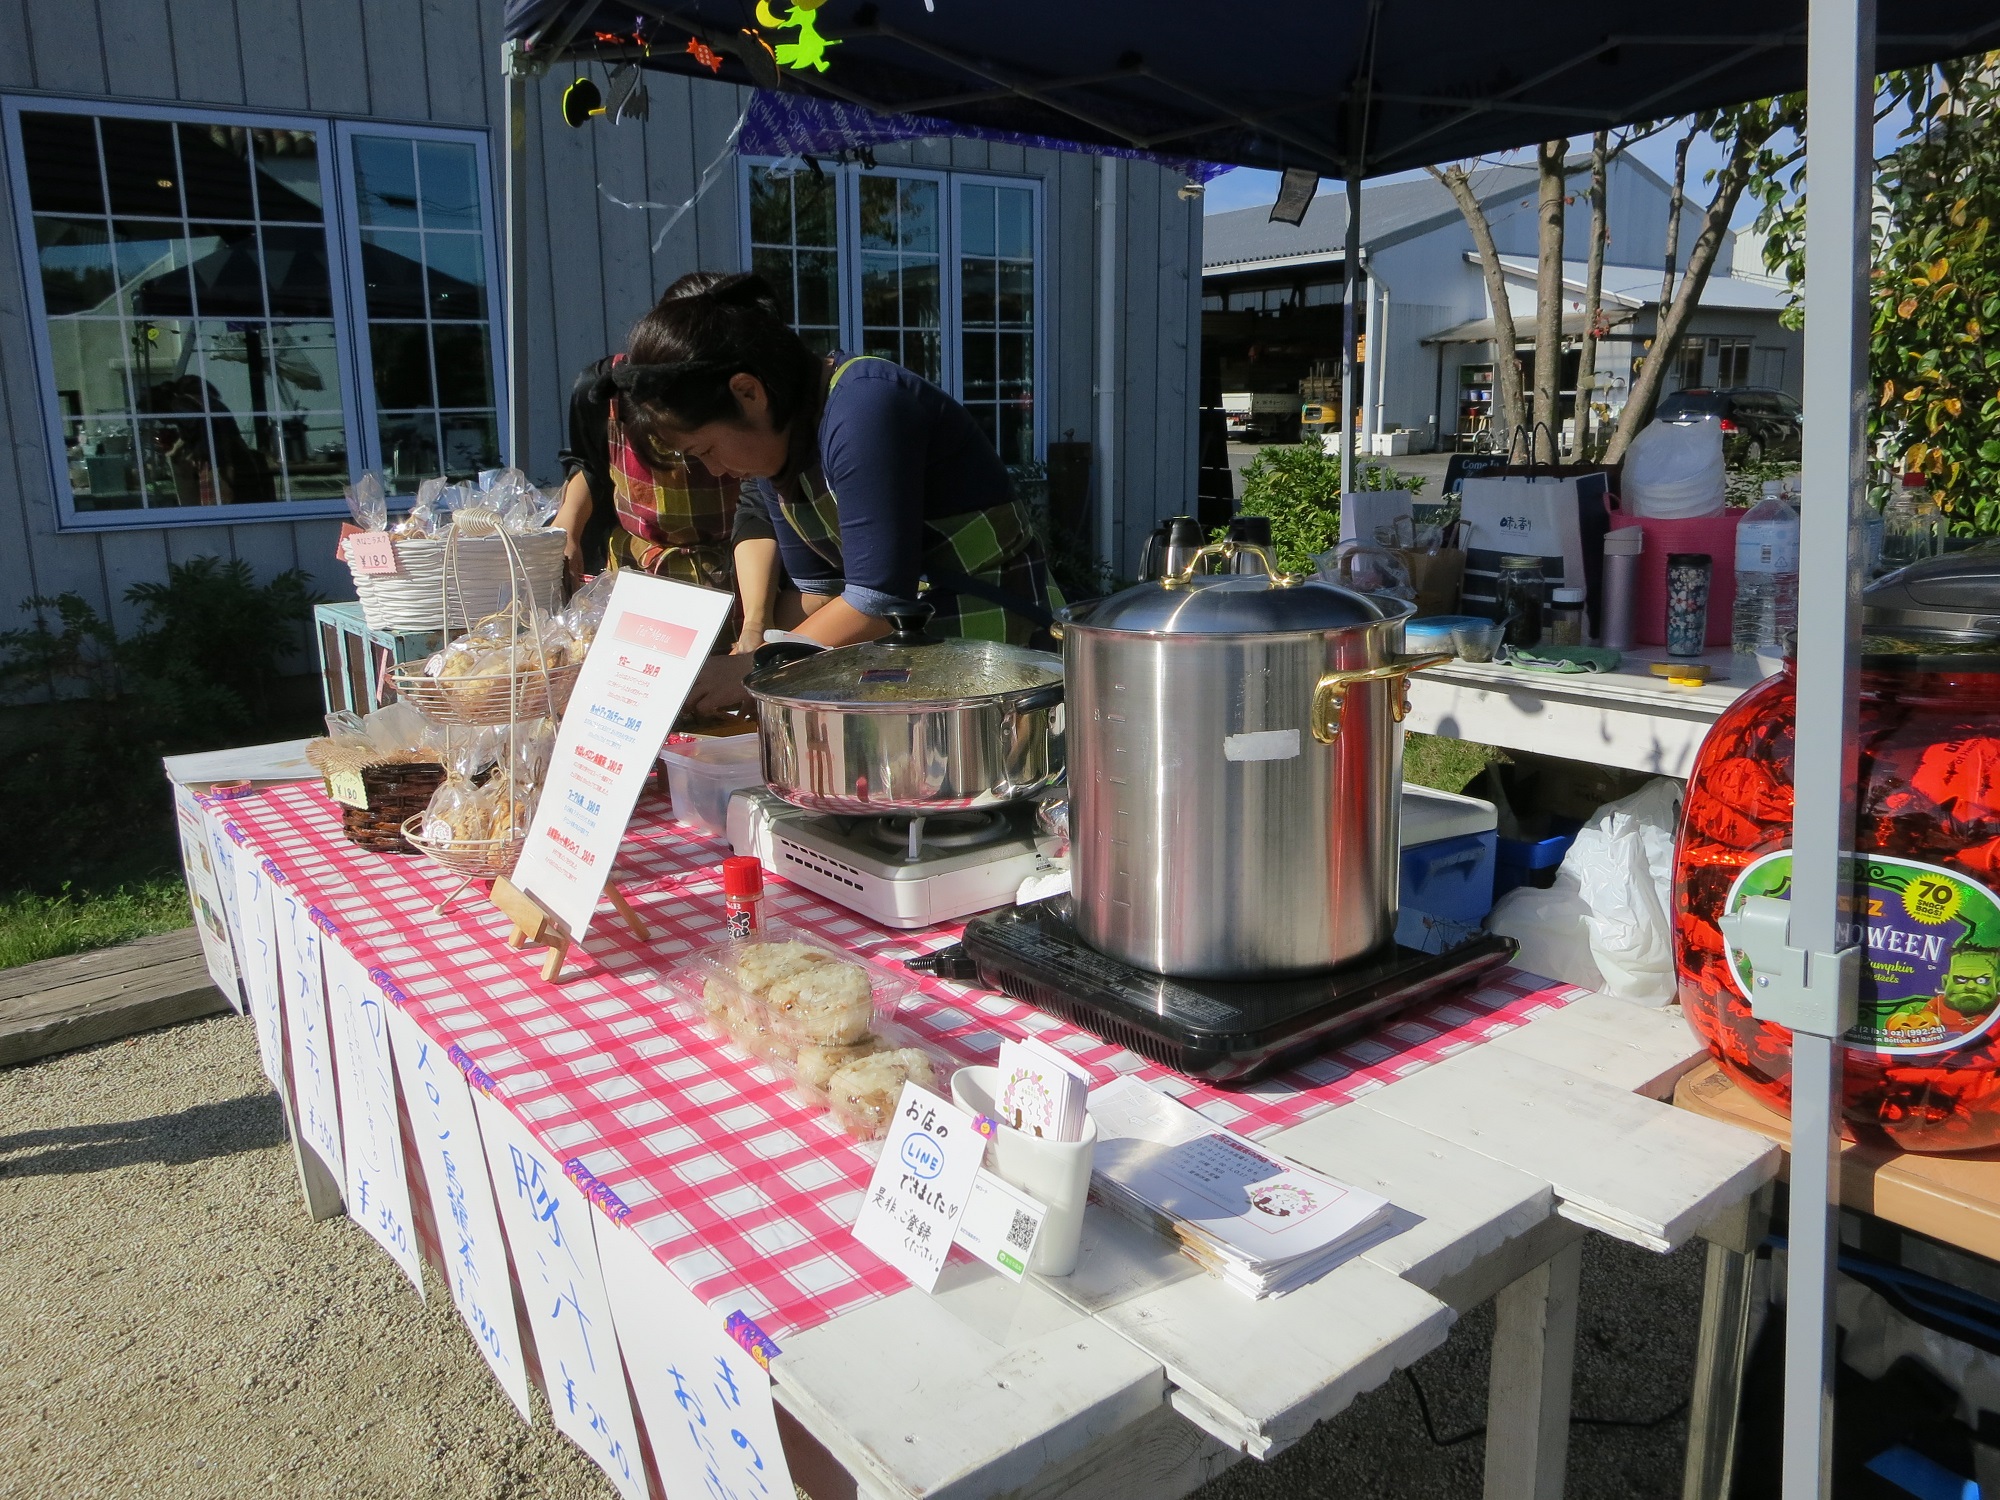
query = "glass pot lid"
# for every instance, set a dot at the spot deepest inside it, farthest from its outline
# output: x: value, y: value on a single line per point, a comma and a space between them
x: 909, y: 668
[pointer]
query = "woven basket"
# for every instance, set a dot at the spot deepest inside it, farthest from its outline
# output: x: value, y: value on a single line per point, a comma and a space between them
x: 394, y: 792
x: 478, y: 859
x: 486, y: 700
x: 413, y: 597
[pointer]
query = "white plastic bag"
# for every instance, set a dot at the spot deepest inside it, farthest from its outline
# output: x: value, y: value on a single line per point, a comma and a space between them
x: 1673, y: 471
x: 1623, y: 865
x: 1551, y: 927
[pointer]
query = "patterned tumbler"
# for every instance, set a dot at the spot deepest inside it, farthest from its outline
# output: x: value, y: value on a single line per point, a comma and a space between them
x: 1687, y: 603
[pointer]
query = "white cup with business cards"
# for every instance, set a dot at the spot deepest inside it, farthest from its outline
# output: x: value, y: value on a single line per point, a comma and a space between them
x: 1055, y: 1173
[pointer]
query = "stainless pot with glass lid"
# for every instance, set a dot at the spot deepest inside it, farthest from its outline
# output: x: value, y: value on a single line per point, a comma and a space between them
x: 911, y: 723
x: 1235, y: 754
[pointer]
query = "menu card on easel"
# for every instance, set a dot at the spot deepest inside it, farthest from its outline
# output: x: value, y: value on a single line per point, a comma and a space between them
x: 642, y: 665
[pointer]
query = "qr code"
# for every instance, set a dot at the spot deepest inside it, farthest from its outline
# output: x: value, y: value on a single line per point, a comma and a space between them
x: 1021, y: 1233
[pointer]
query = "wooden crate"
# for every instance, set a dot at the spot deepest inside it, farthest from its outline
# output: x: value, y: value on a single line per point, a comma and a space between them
x: 353, y: 659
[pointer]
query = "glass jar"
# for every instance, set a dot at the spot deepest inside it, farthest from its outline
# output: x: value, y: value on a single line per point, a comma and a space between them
x: 1564, y: 626
x: 1923, y: 1063
x: 1687, y: 603
x: 1520, y: 589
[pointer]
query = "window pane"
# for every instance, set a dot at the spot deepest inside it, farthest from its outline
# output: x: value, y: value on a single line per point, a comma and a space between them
x: 878, y: 213
x: 175, y: 461
x: 102, y: 472
x: 385, y: 179
x: 981, y: 366
x: 305, y: 366
x: 1017, y: 432
x: 975, y: 220
x: 247, y: 471
x: 140, y: 166
x: 295, y: 274
x: 287, y: 164
x: 819, y: 287
x: 409, y: 448
x: 1014, y: 219
x: 402, y: 364
x: 977, y: 280
x: 881, y: 291
x: 61, y: 153
x: 457, y: 265
x: 215, y: 163
x: 919, y: 220
x: 770, y: 208
x: 814, y: 202
x: 922, y: 303
x: 775, y: 266
x: 75, y: 256
x: 153, y: 259
x: 1015, y: 363
x: 392, y: 271
x: 228, y: 272
x: 448, y: 172
x: 314, y: 444
x: 89, y: 359
x: 471, y: 443
x: 997, y: 313
x: 1017, y: 292
x: 464, y: 364
x: 924, y: 353
x: 236, y: 362
x: 163, y: 352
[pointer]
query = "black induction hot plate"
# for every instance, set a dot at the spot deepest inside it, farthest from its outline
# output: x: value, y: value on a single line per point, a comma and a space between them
x: 1223, y: 1032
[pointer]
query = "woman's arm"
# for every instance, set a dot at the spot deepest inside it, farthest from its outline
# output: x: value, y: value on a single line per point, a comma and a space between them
x: 571, y: 516
x: 835, y: 622
x: 757, y: 585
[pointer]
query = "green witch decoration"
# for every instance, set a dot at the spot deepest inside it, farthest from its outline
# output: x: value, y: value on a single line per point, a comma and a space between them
x: 809, y: 51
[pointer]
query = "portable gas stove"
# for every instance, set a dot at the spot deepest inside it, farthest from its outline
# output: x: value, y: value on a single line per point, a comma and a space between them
x: 901, y: 870
x: 1223, y: 1032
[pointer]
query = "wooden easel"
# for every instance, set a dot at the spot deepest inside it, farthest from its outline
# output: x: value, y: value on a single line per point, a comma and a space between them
x: 535, y: 923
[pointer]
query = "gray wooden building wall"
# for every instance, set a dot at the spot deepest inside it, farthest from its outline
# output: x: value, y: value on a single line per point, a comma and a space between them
x: 591, y: 266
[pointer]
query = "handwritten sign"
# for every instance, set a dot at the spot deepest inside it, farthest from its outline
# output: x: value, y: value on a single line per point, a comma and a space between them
x: 555, y: 1260
x: 258, y: 926
x: 316, y: 1098
x: 706, y: 1400
x: 378, y: 1187
x: 211, y: 918
x: 655, y: 636
x: 439, y: 1105
x: 921, y: 1185
x: 371, y: 552
x: 223, y: 857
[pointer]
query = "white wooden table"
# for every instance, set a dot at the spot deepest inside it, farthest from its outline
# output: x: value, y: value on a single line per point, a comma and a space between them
x: 1141, y: 1376
x: 1626, y: 718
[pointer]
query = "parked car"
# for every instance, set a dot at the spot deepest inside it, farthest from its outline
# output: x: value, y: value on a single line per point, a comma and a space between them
x: 1757, y: 423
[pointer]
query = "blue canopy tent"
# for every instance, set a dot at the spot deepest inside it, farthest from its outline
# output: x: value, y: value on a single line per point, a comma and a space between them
x: 1366, y: 87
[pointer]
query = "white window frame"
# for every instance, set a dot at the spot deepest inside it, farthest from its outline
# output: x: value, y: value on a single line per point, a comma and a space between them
x: 356, y: 295
x: 847, y: 204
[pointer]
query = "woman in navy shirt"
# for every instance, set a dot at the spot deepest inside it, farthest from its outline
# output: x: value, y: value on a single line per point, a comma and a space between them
x: 882, y: 490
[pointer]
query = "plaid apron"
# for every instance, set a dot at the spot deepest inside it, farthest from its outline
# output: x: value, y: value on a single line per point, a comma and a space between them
x: 674, y: 524
x: 995, y: 547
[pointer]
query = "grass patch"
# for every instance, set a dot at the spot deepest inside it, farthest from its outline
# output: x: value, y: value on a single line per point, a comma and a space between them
x: 1445, y: 765
x: 35, y: 927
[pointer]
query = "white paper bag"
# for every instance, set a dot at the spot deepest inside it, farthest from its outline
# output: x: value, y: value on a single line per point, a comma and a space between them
x: 1510, y: 515
x: 1361, y: 511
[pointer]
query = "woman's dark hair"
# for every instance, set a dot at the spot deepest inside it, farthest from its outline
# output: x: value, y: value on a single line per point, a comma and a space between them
x: 706, y: 328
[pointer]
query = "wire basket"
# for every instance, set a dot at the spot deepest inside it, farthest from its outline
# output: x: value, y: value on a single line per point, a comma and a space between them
x: 500, y: 699
x: 476, y: 859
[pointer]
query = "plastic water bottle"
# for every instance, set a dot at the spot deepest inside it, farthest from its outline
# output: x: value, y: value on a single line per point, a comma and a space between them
x: 1767, y: 576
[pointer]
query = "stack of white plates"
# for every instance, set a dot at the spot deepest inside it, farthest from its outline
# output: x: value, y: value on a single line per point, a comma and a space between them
x: 412, y: 597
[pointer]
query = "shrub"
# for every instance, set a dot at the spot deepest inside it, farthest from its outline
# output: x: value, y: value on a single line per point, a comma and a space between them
x: 1298, y: 488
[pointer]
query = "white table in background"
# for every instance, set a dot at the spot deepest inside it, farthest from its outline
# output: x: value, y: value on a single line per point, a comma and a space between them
x: 1626, y: 718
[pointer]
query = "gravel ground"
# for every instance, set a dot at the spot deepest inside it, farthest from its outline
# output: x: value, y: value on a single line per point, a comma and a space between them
x: 176, y: 1327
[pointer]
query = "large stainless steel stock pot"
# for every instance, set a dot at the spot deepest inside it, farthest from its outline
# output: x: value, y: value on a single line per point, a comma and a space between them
x: 1235, y: 750
x: 911, y: 723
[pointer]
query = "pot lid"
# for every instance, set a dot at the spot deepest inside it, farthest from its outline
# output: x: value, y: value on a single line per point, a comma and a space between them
x: 1958, y: 592
x: 909, y: 669
x: 1238, y: 604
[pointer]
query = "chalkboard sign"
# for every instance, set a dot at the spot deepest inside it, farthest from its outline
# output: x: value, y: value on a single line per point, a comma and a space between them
x: 1471, y: 465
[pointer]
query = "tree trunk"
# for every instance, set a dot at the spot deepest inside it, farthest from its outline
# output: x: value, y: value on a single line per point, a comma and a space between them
x: 1593, y: 287
x: 1547, y: 429
x: 1676, y: 201
x: 1508, y: 407
x: 1673, y: 321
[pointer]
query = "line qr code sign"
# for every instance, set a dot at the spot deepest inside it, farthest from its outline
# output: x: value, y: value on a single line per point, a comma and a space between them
x: 1021, y: 1233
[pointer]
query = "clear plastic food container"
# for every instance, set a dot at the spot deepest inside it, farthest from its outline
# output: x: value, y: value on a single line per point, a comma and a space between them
x: 702, y: 771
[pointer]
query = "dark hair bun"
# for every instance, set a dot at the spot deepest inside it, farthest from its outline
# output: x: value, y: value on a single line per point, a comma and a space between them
x: 745, y: 289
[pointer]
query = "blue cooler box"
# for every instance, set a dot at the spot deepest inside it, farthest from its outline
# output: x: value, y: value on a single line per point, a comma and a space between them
x: 1446, y: 883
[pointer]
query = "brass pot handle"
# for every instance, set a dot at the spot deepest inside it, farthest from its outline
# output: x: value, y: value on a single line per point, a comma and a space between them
x: 1331, y: 693
x: 1227, y: 551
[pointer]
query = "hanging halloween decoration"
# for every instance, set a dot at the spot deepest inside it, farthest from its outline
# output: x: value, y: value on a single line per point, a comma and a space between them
x: 627, y: 97
x: 580, y: 101
x: 809, y: 51
x: 704, y: 54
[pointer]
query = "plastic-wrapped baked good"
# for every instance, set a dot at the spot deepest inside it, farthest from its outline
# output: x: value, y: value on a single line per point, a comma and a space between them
x: 862, y: 1095
x: 817, y: 1063
x: 457, y: 812
x: 760, y: 965
x: 830, y: 1003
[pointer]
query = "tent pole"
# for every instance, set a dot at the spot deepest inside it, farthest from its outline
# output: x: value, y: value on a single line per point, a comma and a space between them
x: 1109, y: 259
x: 1840, y: 88
x: 1350, y: 271
x: 517, y: 256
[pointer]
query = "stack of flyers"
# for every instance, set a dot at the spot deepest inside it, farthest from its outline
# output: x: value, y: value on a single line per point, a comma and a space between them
x: 1041, y: 1092
x: 1262, y: 1224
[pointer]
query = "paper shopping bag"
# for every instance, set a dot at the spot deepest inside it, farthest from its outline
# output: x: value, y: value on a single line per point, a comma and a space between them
x: 1510, y: 516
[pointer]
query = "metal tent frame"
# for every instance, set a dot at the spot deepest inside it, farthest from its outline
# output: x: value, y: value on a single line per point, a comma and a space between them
x: 1373, y: 86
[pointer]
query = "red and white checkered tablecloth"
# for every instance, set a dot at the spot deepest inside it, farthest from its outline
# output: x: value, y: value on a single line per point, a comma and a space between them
x: 745, y: 1194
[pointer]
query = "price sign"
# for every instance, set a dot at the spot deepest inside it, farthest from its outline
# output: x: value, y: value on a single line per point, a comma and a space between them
x: 372, y: 552
x: 921, y: 1185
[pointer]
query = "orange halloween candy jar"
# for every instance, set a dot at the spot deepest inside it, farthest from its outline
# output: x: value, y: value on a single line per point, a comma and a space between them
x: 1923, y: 1060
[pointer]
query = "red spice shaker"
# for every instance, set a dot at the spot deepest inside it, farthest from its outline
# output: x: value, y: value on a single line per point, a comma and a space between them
x: 743, y: 894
